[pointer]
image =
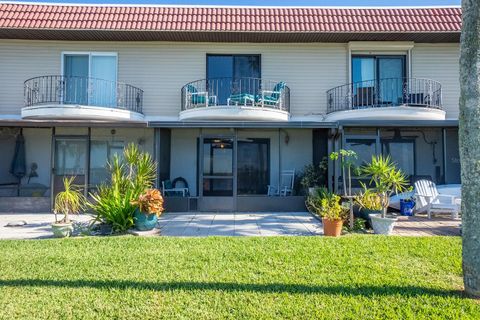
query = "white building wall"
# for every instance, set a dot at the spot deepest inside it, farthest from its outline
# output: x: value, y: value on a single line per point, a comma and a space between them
x: 162, y: 68
x: 440, y: 62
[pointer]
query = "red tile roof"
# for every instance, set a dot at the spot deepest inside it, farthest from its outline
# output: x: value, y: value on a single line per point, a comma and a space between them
x: 230, y: 19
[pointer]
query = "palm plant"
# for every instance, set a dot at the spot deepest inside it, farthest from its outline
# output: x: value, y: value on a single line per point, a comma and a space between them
x: 386, y: 178
x: 130, y: 175
x: 69, y: 201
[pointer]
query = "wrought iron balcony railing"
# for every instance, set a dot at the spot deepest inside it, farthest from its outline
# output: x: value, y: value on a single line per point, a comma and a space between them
x: 392, y: 92
x: 55, y: 89
x: 236, y: 92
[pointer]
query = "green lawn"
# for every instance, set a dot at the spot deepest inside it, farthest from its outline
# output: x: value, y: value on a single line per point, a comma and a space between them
x: 356, y: 277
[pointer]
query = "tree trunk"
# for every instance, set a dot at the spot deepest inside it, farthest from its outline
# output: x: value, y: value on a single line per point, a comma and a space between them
x: 469, y: 130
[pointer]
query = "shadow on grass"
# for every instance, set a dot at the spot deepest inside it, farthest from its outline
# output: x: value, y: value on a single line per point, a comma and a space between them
x: 408, y: 291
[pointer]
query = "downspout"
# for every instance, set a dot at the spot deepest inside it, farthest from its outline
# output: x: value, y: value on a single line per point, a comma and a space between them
x: 279, y: 159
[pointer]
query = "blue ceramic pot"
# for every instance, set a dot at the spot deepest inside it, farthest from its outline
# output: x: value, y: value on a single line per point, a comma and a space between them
x: 144, y: 221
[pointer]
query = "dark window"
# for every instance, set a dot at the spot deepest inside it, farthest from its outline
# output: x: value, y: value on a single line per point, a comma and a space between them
x: 233, y: 74
x: 253, y: 162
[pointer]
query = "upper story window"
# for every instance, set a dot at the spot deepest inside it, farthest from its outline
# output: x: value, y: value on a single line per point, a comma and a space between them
x: 233, y: 74
x: 90, y: 78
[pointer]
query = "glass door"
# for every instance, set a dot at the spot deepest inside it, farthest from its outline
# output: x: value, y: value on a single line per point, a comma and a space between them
x: 391, y: 74
x: 217, y: 174
x: 75, y: 72
x: 378, y: 80
x: 90, y: 79
x: 70, y: 160
x: 103, y: 84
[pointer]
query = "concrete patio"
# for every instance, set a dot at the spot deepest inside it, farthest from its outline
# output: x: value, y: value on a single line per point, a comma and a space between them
x: 240, y: 224
x: 231, y: 224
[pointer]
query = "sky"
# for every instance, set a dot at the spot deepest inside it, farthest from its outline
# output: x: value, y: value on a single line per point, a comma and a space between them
x: 273, y: 2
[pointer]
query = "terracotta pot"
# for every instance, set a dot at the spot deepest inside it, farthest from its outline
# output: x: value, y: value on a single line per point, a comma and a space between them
x: 332, y: 228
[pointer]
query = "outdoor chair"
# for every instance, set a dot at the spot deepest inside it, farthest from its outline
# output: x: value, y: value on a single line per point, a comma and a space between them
x: 168, y: 189
x: 364, y: 97
x: 285, y: 188
x: 271, y: 98
x: 428, y: 199
x: 195, y: 97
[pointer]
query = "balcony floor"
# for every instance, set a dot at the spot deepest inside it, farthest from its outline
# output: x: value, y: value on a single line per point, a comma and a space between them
x: 246, y: 113
x: 403, y: 112
x: 79, y: 112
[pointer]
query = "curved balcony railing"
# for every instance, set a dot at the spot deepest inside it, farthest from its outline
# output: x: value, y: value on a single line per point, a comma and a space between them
x: 236, y: 92
x: 392, y: 92
x: 85, y: 91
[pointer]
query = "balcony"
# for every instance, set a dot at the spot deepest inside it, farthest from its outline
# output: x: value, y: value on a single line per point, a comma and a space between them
x: 248, y: 99
x: 81, y: 98
x: 386, y: 99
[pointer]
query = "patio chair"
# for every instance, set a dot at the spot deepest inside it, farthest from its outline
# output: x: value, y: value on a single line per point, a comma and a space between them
x: 168, y: 189
x: 195, y: 97
x: 364, y: 97
x: 271, y: 98
x: 428, y: 199
x: 285, y: 188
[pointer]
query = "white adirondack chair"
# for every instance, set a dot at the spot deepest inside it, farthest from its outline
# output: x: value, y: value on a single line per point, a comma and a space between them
x: 428, y: 199
x: 285, y: 188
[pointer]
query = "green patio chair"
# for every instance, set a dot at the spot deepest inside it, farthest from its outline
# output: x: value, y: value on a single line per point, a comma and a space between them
x: 271, y: 98
x: 195, y: 98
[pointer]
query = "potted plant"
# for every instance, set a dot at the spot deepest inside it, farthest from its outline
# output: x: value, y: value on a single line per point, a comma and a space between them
x: 314, y: 176
x: 149, y: 208
x: 369, y: 202
x: 327, y: 205
x: 386, y: 180
x: 69, y: 201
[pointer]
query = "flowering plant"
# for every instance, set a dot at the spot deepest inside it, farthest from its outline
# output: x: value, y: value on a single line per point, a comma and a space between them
x: 150, y: 202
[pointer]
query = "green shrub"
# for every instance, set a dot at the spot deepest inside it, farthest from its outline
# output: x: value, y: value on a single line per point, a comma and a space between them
x: 327, y: 205
x: 369, y: 199
x: 130, y: 175
x: 314, y: 175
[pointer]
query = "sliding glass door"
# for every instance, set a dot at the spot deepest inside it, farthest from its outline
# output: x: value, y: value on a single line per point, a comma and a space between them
x: 233, y: 74
x: 90, y: 79
x: 378, y: 80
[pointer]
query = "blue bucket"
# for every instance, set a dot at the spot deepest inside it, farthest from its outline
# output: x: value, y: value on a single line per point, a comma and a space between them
x: 406, y: 207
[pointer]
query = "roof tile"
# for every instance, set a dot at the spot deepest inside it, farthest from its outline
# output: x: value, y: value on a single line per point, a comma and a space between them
x: 229, y: 19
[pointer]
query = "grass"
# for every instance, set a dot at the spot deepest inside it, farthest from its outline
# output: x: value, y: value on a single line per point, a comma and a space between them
x: 353, y: 277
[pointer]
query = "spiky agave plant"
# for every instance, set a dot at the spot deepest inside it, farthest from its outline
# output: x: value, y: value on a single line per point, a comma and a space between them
x: 130, y: 175
x: 386, y: 178
x: 69, y: 201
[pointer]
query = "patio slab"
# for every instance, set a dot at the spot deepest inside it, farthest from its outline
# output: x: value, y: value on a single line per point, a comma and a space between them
x: 38, y: 225
x: 231, y: 224
x: 239, y: 224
